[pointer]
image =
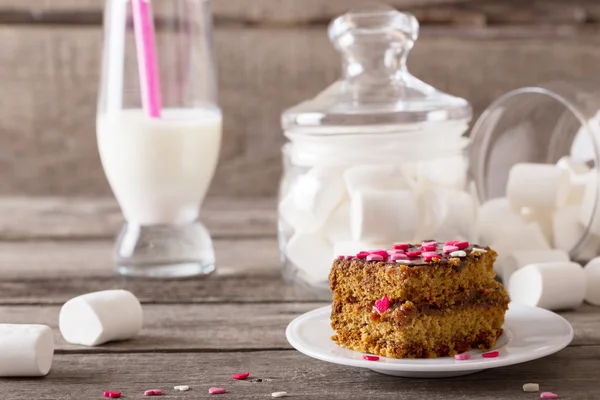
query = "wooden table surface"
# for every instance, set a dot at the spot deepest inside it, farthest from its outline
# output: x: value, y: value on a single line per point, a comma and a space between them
x: 198, y: 332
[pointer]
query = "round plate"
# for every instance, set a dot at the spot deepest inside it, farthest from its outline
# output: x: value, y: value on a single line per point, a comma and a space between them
x: 529, y: 333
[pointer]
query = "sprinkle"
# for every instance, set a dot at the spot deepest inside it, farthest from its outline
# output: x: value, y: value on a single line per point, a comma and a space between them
x: 478, y: 250
x: 430, y: 254
x: 462, y: 245
x: 279, y: 394
x: 370, y: 358
x: 531, y: 387
x: 349, y: 257
x: 398, y: 256
x: 216, y: 390
x: 462, y: 356
x: 459, y: 253
x: 383, y: 304
x: 182, y: 388
x: 548, y: 395
x: 415, y: 253
x: 340, y: 257
x: 451, y: 242
x: 431, y: 258
x: 112, y: 395
x: 428, y: 247
x: 374, y: 257
x: 153, y: 392
x: 491, y: 354
x: 382, y: 253
x: 403, y: 261
x: 429, y: 242
x: 449, y: 248
x: 401, y: 246
x: 362, y: 254
x: 241, y: 376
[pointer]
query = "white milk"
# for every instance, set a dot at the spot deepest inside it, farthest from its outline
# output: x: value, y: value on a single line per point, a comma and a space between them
x: 160, y: 169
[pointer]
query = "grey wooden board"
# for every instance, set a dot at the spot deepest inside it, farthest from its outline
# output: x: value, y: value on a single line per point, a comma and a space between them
x: 200, y: 327
x: 572, y: 373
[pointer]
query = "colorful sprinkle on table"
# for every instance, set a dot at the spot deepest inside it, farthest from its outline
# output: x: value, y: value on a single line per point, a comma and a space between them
x: 112, y: 395
x: 241, y: 376
x: 531, y: 387
x: 216, y: 390
x: 182, y: 388
x: 548, y: 395
x: 153, y: 392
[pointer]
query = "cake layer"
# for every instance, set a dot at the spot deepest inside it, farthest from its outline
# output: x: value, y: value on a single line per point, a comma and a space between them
x: 432, y: 282
x: 424, y: 334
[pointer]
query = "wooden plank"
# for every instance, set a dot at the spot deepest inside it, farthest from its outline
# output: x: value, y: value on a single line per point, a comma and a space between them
x: 87, y: 259
x: 572, y: 373
x: 26, y: 218
x: 50, y: 74
x: 214, y: 327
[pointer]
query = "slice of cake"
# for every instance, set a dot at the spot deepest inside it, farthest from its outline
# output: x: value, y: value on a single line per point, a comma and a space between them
x: 417, y: 301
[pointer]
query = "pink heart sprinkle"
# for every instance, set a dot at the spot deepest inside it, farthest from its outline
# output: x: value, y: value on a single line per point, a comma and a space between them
x: 383, y: 304
x: 462, y: 245
x: 430, y: 242
x: 431, y: 258
x: 430, y: 254
x: 340, y: 257
x: 216, y: 390
x: 450, y: 248
x: 462, y: 356
x: 413, y: 253
x: 362, y: 254
x: 491, y: 354
x: 428, y: 247
x: 240, y: 376
x: 451, y: 242
x: 153, y: 392
x: 401, y: 246
x: 349, y: 257
x: 382, y: 253
x: 398, y: 256
x: 374, y: 257
x: 548, y: 395
x: 370, y: 358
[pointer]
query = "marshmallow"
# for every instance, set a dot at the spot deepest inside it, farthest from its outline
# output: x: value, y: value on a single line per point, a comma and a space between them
x: 543, y: 219
x: 350, y: 248
x: 553, y: 286
x: 589, y: 214
x: 567, y: 230
x: 454, y: 214
x: 450, y: 172
x: 592, y: 279
x: 96, y: 318
x: 382, y: 177
x: 337, y: 226
x: 497, y: 219
x: 538, y: 186
x: 312, y: 198
x: 528, y: 237
x: 579, y: 174
x: 383, y: 215
x: 25, y: 350
x: 519, y: 259
x: 311, y: 254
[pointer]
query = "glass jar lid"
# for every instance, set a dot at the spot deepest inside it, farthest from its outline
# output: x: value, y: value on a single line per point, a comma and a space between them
x: 376, y: 88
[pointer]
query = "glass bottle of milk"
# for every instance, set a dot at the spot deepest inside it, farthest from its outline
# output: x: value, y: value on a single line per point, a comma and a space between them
x: 379, y: 157
x: 159, y: 161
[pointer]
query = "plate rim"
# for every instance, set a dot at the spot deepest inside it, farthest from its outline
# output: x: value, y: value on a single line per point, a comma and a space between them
x: 404, y: 365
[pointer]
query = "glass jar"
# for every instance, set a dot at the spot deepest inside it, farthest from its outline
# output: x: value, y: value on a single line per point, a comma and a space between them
x: 378, y: 157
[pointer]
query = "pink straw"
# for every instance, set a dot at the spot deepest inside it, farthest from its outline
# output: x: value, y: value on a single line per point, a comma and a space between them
x: 146, y: 55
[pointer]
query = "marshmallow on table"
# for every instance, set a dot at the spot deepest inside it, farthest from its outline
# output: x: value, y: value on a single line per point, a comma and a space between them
x: 383, y: 177
x: 312, y: 254
x: 383, y: 215
x: 592, y: 279
x: 538, y: 186
x: 568, y: 231
x: 553, y: 286
x: 337, y: 226
x: 312, y: 198
x: 96, y: 318
x: 25, y: 350
x: 453, y: 212
x: 519, y: 259
x: 527, y: 237
x: 497, y: 219
x: 543, y: 219
x: 589, y: 213
x: 579, y: 174
x: 450, y: 172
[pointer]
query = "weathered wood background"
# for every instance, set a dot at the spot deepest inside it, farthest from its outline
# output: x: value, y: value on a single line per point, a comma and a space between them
x: 271, y: 54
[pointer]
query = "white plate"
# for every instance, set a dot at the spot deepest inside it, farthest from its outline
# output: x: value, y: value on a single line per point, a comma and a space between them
x: 529, y: 333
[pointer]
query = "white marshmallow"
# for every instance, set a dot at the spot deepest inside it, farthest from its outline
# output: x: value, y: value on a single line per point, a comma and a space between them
x: 96, y: 318
x: 538, y: 186
x: 590, y: 207
x: 579, y: 174
x: 528, y: 237
x: 450, y: 172
x: 519, y: 259
x: 312, y: 198
x: 352, y: 248
x: 592, y: 279
x: 311, y: 254
x: 381, y: 177
x: 25, y: 350
x: 567, y: 230
x: 543, y: 219
x: 553, y: 286
x: 383, y: 215
x: 454, y: 214
x: 497, y: 219
x: 337, y: 226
